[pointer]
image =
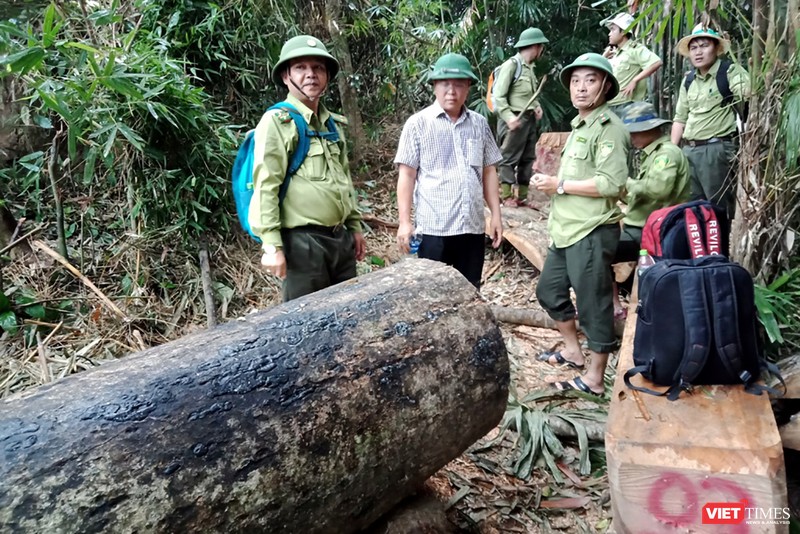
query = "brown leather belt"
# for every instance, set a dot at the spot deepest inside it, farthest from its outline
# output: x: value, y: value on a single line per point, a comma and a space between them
x: 703, y: 142
x: 332, y: 231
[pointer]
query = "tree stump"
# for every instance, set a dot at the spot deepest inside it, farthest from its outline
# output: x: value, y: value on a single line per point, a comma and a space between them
x: 318, y: 415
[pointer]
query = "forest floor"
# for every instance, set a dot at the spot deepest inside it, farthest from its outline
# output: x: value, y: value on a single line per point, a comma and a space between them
x: 510, y: 481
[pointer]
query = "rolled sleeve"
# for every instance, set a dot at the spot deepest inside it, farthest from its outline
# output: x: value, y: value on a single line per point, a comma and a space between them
x: 656, y: 184
x: 647, y: 58
x: 611, y: 169
x: 739, y: 81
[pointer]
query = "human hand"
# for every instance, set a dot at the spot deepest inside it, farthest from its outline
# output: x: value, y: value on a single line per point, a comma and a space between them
x: 629, y: 89
x: 404, y: 232
x: 275, y: 264
x: 361, y: 245
x: 538, y: 113
x: 545, y: 183
x: 496, y: 230
x: 513, y: 123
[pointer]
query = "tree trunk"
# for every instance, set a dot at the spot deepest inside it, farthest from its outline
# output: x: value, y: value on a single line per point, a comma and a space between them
x: 318, y: 415
x: 350, y: 107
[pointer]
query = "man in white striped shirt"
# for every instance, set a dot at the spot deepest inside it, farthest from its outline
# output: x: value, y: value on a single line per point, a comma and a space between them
x: 447, y: 163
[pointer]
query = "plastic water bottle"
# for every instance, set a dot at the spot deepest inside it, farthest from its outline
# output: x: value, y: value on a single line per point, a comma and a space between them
x: 415, y: 241
x: 645, y: 262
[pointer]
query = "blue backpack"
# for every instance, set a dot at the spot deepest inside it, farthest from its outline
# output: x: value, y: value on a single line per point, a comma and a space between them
x: 242, y: 175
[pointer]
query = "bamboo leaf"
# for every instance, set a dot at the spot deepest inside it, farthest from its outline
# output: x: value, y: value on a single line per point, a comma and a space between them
x: 24, y: 60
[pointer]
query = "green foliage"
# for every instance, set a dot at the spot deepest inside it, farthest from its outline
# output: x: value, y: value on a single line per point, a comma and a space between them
x: 536, y: 444
x: 778, y: 306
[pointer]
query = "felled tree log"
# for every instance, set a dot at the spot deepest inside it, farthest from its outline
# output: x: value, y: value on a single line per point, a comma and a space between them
x: 318, y: 415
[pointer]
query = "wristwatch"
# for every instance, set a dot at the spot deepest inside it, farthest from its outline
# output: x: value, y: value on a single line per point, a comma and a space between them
x: 271, y: 249
x: 560, y: 188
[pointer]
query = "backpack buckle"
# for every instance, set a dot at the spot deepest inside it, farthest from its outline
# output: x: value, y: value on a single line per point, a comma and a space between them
x: 746, y: 377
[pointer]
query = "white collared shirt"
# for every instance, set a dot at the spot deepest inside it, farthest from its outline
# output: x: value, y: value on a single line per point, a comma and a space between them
x: 449, y: 158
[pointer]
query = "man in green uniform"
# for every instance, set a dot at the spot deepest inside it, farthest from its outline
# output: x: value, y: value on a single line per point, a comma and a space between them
x: 632, y: 62
x: 705, y: 121
x: 313, y: 238
x: 663, y: 180
x: 584, y: 222
x: 517, y: 113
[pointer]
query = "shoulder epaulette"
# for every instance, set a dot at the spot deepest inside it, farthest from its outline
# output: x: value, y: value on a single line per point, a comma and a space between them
x: 604, y: 118
x: 341, y: 119
x: 282, y: 115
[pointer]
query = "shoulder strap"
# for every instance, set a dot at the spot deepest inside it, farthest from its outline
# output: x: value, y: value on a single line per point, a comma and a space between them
x: 694, y: 235
x: 304, y: 135
x: 639, y: 369
x: 723, y: 84
x: 726, y: 324
x: 518, y: 63
x: 689, y: 79
x: 712, y: 231
x: 697, y: 327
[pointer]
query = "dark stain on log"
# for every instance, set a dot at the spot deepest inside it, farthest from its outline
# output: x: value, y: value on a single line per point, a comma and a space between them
x: 304, y: 418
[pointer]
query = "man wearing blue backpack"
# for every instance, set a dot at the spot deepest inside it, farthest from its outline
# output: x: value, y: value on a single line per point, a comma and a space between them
x: 305, y: 213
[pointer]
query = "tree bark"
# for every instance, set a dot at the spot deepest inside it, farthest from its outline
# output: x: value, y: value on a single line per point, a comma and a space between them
x: 350, y: 107
x: 318, y: 415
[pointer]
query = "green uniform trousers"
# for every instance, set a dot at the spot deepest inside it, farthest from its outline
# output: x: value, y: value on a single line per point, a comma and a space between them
x: 316, y: 257
x: 713, y: 173
x: 586, y: 267
x: 518, y: 149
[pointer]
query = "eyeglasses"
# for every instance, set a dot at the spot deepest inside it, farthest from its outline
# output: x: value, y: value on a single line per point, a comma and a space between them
x: 454, y: 84
x: 700, y: 46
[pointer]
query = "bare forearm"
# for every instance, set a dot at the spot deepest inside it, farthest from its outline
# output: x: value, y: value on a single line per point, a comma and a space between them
x: 491, y: 186
x: 407, y: 177
x: 677, y: 132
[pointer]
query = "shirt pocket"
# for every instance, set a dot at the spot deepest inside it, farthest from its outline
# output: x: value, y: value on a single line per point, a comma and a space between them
x: 475, y: 153
x: 577, y: 160
x: 313, y: 167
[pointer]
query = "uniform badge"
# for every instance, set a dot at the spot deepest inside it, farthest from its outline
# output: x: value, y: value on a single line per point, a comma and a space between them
x: 606, y: 148
x: 284, y: 116
x: 660, y: 163
x: 580, y: 139
x: 311, y: 42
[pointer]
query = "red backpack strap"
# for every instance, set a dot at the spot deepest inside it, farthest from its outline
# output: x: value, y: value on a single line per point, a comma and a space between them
x: 713, y: 236
x: 651, y: 233
x: 694, y: 234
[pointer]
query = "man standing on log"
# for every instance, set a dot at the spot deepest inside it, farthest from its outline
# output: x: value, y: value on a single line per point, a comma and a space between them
x: 633, y: 62
x: 312, y: 237
x: 584, y: 223
x: 663, y: 180
x: 518, y: 113
x: 705, y: 116
x: 446, y: 162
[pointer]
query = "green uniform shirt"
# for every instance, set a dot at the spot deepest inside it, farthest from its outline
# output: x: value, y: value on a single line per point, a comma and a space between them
x: 631, y: 59
x: 663, y: 180
x: 510, y: 97
x: 700, y: 108
x: 320, y: 192
x: 597, y: 148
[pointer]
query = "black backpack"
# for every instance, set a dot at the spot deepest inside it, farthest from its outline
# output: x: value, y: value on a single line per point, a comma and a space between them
x: 696, y: 324
x: 724, y: 85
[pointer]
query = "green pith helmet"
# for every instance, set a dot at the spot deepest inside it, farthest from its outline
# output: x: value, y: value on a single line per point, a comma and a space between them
x: 531, y: 36
x: 452, y: 66
x: 641, y: 117
x: 595, y: 61
x: 303, y: 46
